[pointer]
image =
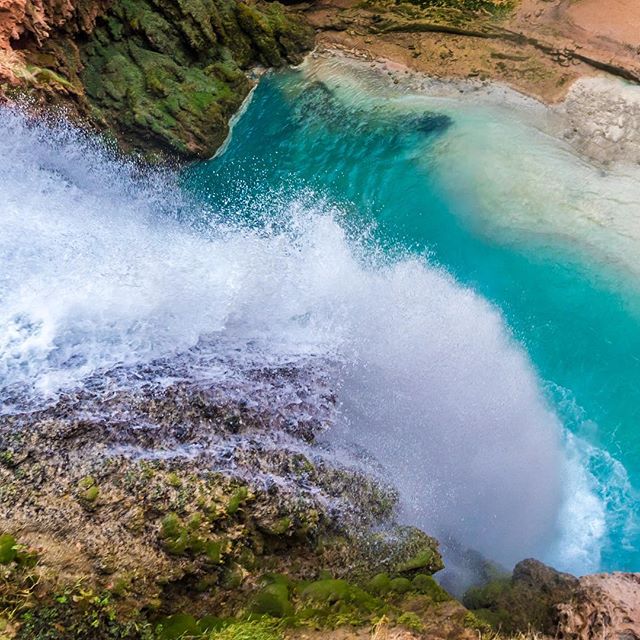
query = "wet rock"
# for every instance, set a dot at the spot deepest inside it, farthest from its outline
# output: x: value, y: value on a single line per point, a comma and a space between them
x: 536, y: 596
x: 526, y: 599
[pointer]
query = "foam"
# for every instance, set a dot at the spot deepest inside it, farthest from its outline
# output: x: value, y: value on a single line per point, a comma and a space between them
x: 97, y: 272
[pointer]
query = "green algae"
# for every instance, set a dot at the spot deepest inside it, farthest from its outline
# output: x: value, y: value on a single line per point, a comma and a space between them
x: 8, y: 549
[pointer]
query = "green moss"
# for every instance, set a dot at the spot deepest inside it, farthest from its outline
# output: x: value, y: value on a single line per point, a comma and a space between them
x: 279, y: 527
x: 208, y: 624
x: 26, y: 557
x: 177, y: 546
x: 120, y: 586
x: 429, y: 587
x: 237, y: 499
x: 78, y: 614
x: 87, y: 482
x: 8, y: 548
x: 170, y: 75
x: 233, y: 576
x: 423, y: 560
x: 173, y: 478
x: 91, y: 494
x: 177, y: 626
x: 213, y: 550
x: 485, y: 596
x: 327, y: 591
x: 171, y: 526
x: 247, y: 559
x: 273, y: 600
x: 250, y: 630
x: 194, y: 522
x: 380, y: 584
x: 411, y: 621
x: 472, y: 621
x: 494, y: 7
x: 400, y: 585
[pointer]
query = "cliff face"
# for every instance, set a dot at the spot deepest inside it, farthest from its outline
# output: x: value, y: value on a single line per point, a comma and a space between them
x: 168, y: 512
x: 162, y: 76
x: 602, y: 606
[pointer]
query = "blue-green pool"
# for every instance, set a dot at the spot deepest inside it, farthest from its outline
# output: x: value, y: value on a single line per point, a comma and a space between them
x: 482, y: 191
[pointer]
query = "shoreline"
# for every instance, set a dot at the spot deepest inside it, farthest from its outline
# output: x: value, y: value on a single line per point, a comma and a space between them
x: 538, y: 47
x: 598, y: 116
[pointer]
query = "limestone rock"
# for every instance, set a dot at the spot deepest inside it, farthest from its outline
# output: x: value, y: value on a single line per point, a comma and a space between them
x: 604, y: 607
x: 595, y: 607
x: 162, y: 76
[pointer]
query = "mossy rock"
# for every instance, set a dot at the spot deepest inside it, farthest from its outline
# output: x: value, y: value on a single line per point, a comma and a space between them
x: 425, y: 559
x: 273, y: 600
x: 327, y: 591
x: 166, y: 77
x: 248, y: 630
x: 91, y: 494
x: 171, y: 526
x: 87, y: 482
x: 411, y: 621
x: 426, y: 585
x: 173, y: 479
x: 8, y: 550
x: 380, y: 584
x: 526, y: 600
x: 279, y: 527
x: 400, y: 585
x: 238, y: 498
x: 233, y: 576
x: 209, y: 624
x: 485, y: 596
x: 177, y: 626
x: 213, y: 550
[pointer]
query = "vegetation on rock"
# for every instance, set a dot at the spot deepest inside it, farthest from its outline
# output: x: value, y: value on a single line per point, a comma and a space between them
x: 163, y: 77
x: 99, y: 544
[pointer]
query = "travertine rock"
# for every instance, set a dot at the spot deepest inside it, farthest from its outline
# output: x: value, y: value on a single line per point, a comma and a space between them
x: 604, y: 607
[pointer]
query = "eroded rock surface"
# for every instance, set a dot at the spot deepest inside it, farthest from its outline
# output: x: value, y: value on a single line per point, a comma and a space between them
x: 604, y: 607
x: 161, y: 76
x: 601, y: 606
x: 147, y: 503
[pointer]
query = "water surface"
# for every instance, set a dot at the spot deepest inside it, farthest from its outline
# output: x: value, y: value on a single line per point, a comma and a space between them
x: 481, y: 190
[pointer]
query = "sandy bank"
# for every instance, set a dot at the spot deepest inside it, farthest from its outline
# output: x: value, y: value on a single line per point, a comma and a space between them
x: 540, y: 49
x: 599, y: 115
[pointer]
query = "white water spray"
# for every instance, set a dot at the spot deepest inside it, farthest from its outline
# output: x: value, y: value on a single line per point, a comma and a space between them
x: 96, y: 271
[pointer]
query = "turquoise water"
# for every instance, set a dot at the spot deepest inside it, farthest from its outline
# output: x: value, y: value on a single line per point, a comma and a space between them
x: 391, y: 169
